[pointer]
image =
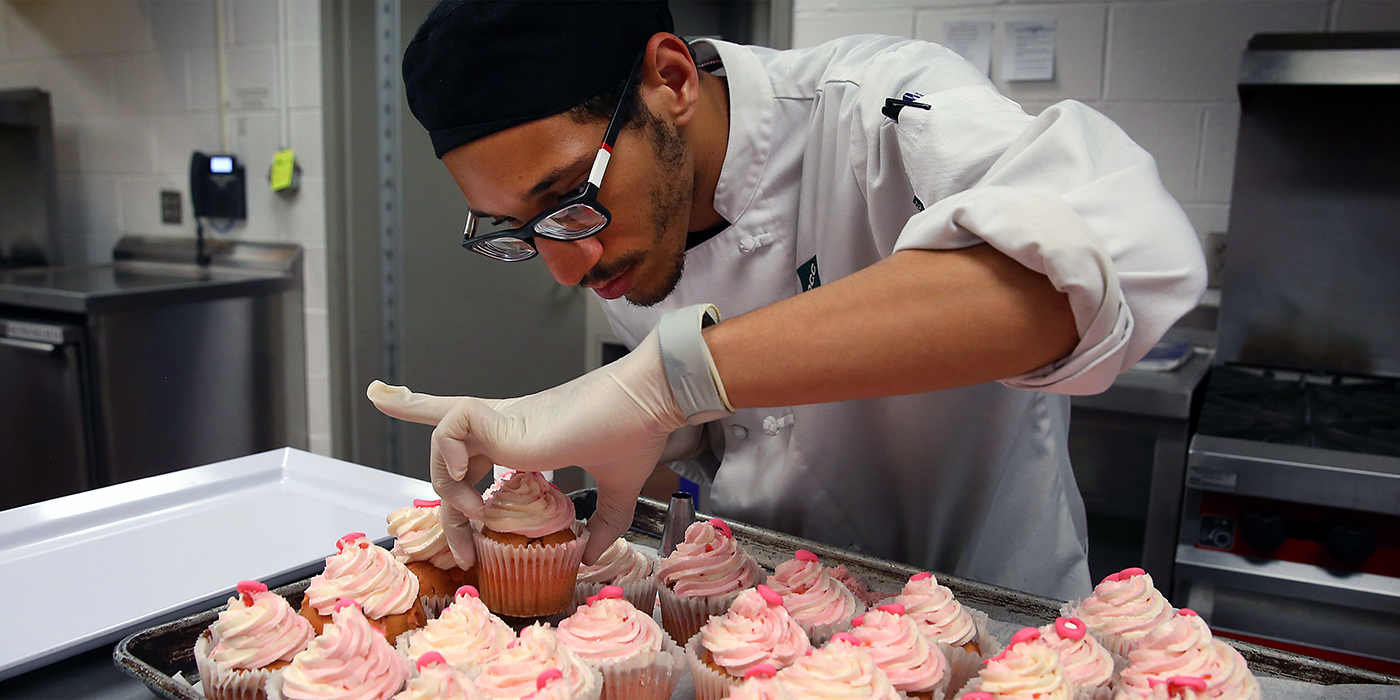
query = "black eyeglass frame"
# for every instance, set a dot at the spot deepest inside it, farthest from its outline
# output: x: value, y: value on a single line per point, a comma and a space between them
x: 588, y: 197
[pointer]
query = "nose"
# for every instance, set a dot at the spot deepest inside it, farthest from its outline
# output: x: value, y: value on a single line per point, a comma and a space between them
x: 569, y: 261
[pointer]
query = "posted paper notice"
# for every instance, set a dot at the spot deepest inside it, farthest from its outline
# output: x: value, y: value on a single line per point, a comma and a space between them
x: 971, y: 39
x: 1029, y: 51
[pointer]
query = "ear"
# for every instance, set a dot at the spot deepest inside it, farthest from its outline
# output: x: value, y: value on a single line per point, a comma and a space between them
x: 670, y: 80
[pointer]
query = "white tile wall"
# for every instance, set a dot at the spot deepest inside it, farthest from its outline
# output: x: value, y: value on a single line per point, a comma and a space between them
x: 253, y: 21
x: 1220, y: 129
x: 1366, y: 16
x: 116, y: 145
x: 1170, y: 133
x: 252, y: 78
x: 812, y: 28
x: 304, y: 86
x: 147, y: 83
x: 47, y: 29
x: 304, y: 20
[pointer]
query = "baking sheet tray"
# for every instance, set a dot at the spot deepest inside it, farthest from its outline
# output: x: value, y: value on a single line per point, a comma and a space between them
x: 88, y: 569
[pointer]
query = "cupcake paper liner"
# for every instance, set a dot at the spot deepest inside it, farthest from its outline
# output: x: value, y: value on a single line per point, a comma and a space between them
x: 683, y: 616
x: 434, y: 605
x: 821, y: 634
x: 655, y: 681
x: 709, y: 683
x: 641, y: 594
x: 962, y: 666
x: 227, y: 684
x: 531, y: 581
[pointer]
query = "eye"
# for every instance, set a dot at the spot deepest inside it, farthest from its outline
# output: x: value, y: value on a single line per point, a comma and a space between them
x: 583, y: 187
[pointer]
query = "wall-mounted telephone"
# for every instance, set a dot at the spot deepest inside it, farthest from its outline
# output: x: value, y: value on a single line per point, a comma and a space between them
x: 218, y: 190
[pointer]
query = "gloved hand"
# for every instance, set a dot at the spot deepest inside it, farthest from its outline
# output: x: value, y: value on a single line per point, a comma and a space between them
x: 613, y: 422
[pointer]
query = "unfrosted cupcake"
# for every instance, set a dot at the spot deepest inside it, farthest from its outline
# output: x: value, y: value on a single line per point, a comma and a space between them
x: 528, y: 547
x: 466, y: 634
x: 822, y: 605
x: 438, y: 680
x: 1028, y: 669
x: 349, y: 660
x: 638, y: 661
x: 514, y: 674
x: 1086, y: 661
x: 258, y: 634
x: 702, y: 577
x: 420, y: 545
x: 623, y: 565
x: 1184, y: 647
x: 914, y: 665
x: 940, y: 616
x: 841, y: 670
x: 760, y: 683
x: 756, y: 629
x: 1123, y: 608
x: 368, y: 574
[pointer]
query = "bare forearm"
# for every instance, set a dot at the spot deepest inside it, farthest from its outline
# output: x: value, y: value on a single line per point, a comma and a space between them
x: 917, y: 321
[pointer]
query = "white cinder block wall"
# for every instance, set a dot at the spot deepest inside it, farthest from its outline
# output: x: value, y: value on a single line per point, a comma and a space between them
x: 135, y: 91
x: 1164, y: 70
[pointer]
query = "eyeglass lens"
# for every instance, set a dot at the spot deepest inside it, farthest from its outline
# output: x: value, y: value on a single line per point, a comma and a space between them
x: 573, y: 221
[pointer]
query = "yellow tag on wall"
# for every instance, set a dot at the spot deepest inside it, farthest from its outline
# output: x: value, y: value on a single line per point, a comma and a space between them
x: 283, y: 164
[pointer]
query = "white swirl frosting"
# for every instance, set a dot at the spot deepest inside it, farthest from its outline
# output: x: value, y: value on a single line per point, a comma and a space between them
x: 349, y: 661
x: 253, y: 636
x: 367, y: 574
x: 525, y: 503
x: 837, y: 671
x: 940, y: 616
x: 1029, y: 670
x: 619, y: 564
x: 417, y: 533
x: 439, y: 682
x: 514, y: 672
x: 466, y: 634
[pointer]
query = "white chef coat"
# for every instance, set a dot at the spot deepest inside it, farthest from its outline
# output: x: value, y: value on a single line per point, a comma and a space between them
x: 975, y: 481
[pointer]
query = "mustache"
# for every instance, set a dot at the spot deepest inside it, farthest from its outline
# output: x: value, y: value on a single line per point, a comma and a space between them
x: 604, y: 271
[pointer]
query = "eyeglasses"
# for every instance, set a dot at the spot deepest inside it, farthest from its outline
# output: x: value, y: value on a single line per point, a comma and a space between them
x: 573, y: 219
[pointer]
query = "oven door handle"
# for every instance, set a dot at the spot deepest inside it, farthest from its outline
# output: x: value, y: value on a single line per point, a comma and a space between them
x: 29, y: 345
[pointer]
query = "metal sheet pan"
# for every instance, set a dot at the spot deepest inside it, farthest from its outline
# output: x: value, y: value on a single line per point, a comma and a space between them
x: 88, y: 569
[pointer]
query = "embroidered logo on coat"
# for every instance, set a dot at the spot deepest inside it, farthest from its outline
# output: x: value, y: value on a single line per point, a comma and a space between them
x: 808, y: 276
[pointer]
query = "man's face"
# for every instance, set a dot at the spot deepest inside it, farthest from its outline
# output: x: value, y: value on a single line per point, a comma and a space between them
x: 516, y: 173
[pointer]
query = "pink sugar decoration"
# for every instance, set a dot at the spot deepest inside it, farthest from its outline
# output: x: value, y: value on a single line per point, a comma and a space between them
x: 347, y: 539
x: 804, y: 555
x: 1192, y: 682
x: 346, y: 603
x: 1130, y: 572
x: 769, y: 595
x: 511, y: 644
x: 610, y: 592
x: 921, y: 576
x: 722, y: 527
x: 431, y: 658
x: 468, y: 590
x: 761, y: 671
x: 1069, y: 627
x: 1188, y: 612
x: 846, y: 637
x: 891, y: 608
x: 979, y: 695
x: 248, y: 588
x: 1025, y: 634
x: 546, y: 676
x: 1113, y: 577
x: 592, y: 599
x: 421, y: 503
x: 857, y: 621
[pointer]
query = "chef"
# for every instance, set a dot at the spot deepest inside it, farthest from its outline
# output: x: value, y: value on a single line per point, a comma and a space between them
x: 913, y: 275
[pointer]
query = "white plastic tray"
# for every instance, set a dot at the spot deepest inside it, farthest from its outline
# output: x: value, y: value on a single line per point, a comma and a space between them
x: 85, y: 570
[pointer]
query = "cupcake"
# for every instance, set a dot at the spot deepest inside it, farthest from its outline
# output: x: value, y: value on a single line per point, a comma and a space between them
x: 1027, y: 669
x: 756, y: 629
x: 350, y: 659
x: 528, y: 547
x: 619, y: 565
x: 941, y: 617
x: 702, y: 577
x: 438, y: 680
x: 1174, y: 688
x: 822, y: 605
x: 1086, y: 661
x: 515, y: 673
x: 1184, y: 647
x: 466, y: 634
x: 915, y: 666
x: 368, y: 574
x: 1123, y: 608
x: 838, y: 671
x: 550, y: 685
x: 638, y: 661
x: 760, y: 683
x: 420, y: 545
x: 258, y: 634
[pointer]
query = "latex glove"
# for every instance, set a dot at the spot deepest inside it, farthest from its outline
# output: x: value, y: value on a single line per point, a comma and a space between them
x: 613, y: 422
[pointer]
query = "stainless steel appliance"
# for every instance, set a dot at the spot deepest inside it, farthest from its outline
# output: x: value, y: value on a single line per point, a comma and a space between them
x: 149, y: 364
x: 1290, y: 527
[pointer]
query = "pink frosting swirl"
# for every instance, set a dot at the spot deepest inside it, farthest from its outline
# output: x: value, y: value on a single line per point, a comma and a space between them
x: 753, y: 632
x: 514, y: 674
x: 913, y: 664
x: 439, y: 682
x: 466, y: 634
x: 812, y: 596
x: 1183, y: 646
x: 1125, y: 606
x: 760, y: 688
x: 349, y: 661
x: 619, y: 564
x: 368, y: 574
x: 941, y: 618
x: 256, y: 630
x: 525, y: 503
x: 707, y: 563
x: 610, y: 632
x: 1086, y: 661
x: 417, y: 533
x: 838, y: 671
x: 1029, y: 670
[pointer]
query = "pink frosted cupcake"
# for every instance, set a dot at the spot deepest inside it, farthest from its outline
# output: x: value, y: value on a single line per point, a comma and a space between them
x: 858, y: 587
x: 438, y: 680
x: 702, y: 577
x: 841, y: 670
x: 638, y: 661
x: 760, y: 683
x: 623, y: 565
x: 368, y: 574
x: 466, y: 634
x: 1086, y: 661
x: 1184, y: 647
x: 528, y: 547
x: 420, y: 545
x: 941, y: 617
x: 349, y: 660
x: 914, y: 665
x: 1175, y: 688
x: 258, y: 634
x: 516, y: 672
x: 1028, y: 669
x: 822, y: 605
x: 757, y: 629
x: 1123, y: 608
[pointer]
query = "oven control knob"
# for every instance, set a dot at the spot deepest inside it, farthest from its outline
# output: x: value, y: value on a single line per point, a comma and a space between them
x: 1350, y: 544
x: 1264, y: 531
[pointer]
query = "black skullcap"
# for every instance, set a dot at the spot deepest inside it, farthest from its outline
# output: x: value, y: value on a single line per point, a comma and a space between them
x: 476, y: 67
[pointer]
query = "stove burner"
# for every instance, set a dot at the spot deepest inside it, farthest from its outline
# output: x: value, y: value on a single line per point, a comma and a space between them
x: 1353, y: 414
